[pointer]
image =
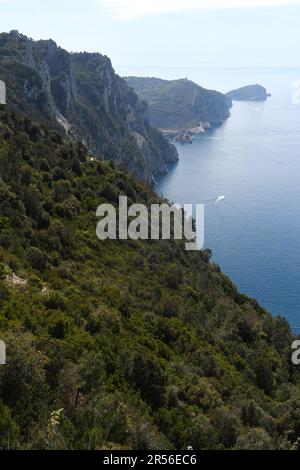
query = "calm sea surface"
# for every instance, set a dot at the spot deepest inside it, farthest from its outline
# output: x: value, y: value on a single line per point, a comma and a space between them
x: 254, y: 160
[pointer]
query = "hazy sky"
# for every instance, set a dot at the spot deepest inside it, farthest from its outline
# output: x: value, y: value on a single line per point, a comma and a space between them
x: 165, y: 32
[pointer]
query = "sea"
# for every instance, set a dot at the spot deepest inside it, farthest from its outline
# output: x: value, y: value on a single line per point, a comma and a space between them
x: 253, y: 159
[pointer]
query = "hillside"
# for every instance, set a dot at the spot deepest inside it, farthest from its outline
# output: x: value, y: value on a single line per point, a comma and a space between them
x: 80, y: 94
x: 123, y: 345
x: 180, y: 104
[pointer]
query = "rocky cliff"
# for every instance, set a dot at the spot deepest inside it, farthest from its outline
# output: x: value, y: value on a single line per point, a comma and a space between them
x: 82, y: 95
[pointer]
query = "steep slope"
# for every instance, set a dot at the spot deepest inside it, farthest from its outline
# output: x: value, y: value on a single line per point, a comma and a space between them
x: 124, y: 344
x: 81, y: 94
x: 180, y: 104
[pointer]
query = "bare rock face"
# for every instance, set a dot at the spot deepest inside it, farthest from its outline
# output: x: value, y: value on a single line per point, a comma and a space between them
x: 2, y: 92
x: 81, y: 94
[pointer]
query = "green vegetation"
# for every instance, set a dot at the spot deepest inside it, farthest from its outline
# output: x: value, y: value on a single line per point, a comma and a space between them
x: 180, y: 104
x: 123, y: 344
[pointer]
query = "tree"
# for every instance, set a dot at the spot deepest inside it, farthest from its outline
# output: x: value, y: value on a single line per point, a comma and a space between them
x: 254, y: 439
x: 9, y: 431
x: 227, y: 425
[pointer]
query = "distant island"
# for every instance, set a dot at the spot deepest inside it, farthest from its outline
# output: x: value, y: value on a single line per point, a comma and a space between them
x: 181, y: 109
x: 248, y: 93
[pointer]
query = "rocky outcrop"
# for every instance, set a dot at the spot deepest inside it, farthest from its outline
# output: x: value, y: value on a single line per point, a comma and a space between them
x: 248, y: 93
x: 81, y: 94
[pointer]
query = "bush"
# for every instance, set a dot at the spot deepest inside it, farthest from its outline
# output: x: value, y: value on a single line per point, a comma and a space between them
x: 254, y: 439
x: 9, y: 431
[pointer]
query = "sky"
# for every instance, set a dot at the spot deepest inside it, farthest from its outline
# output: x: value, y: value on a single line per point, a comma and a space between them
x: 166, y: 33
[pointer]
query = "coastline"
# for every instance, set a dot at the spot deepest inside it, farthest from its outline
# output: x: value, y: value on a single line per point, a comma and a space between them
x: 189, y: 134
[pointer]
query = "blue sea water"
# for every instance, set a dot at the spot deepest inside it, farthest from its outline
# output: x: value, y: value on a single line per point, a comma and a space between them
x: 254, y: 160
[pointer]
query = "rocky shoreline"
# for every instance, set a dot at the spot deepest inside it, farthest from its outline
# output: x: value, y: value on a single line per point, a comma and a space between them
x: 186, y: 136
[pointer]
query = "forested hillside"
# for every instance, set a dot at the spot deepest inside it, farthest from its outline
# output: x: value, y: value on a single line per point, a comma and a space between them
x: 180, y: 104
x: 123, y: 344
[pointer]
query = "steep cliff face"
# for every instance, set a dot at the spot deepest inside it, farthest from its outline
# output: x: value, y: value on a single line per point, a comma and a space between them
x: 180, y: 104
x: 81, y: 94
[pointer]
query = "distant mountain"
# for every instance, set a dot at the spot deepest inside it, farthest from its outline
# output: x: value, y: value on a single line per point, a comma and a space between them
x: 248, y: 93
x: 180, y: 104
x: 81, y: 94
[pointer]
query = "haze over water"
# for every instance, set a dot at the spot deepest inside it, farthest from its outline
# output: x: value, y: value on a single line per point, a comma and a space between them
x: 254, y: 160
